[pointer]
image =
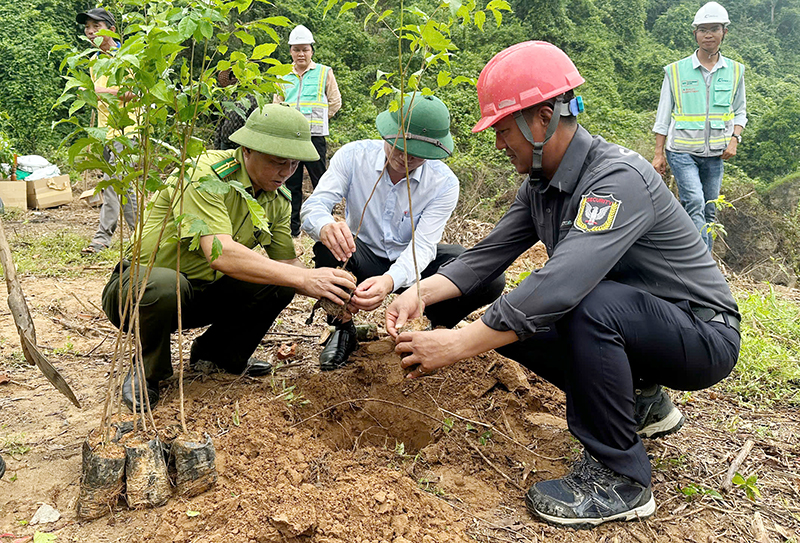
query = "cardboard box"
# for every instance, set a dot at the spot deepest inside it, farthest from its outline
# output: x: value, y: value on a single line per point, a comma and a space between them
x: 50, y: 192
x: 91, y: 198
x: 14, y: 194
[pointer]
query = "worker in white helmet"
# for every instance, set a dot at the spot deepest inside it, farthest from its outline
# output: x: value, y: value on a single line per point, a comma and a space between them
x: 312, y: 89
x: 701, y: 115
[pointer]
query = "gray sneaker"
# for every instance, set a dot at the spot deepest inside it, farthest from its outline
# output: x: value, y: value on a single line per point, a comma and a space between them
x: 656, y: 415
x: 590, y: 495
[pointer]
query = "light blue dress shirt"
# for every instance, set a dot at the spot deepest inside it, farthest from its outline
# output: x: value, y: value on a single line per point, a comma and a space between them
x: 665, y: 125
x: 386, y: 228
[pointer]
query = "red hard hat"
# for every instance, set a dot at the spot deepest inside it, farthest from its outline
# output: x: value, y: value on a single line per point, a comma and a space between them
x: 522, y: 76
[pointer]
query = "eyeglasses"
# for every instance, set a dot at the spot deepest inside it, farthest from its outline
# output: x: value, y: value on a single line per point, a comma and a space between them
x: 716, y: 29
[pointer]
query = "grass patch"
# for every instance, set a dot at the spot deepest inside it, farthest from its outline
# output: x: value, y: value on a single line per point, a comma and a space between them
x: 767, y: 372
x: 56, y: 254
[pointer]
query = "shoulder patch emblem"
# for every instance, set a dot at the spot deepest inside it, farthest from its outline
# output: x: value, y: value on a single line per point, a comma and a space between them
x: 286, y: 193
x: 226, y: 167
x: 597, y: 212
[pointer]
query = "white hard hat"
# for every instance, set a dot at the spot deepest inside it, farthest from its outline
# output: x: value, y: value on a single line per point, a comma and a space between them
x: 300, y: 35
x: 711, y: 13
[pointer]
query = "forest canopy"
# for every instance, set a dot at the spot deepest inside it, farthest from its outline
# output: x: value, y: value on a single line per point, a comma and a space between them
x: 620, y: 47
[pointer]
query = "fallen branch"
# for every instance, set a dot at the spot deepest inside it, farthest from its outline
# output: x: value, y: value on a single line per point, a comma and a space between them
x: 736, y: 464
x: 506, y: 477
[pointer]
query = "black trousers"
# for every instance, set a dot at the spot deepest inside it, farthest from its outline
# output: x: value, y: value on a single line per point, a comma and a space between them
x: 617, y: 339
x: 365, y: 264
x: 239, y: 313
x: 295, y: 181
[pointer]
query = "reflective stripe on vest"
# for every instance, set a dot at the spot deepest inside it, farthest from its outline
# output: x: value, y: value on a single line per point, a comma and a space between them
x: 702, y: 116
x: 307, y: 94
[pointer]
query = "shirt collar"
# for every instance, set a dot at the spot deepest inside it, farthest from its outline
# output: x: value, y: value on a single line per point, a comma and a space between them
x: 242, y: 177
x: 380, y: 160
x: 311, y: 66
x: 721, y: 62
x: 569, y: 170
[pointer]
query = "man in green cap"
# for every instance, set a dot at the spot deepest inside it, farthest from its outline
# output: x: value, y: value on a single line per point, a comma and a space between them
x: 381, y: 258
x: 224, y: 283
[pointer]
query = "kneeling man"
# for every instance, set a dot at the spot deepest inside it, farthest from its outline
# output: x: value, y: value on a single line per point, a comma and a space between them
x: 381, y: 257
x: 240, y: 292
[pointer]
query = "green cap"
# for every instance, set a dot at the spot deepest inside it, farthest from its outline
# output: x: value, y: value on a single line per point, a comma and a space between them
x: 278, y: 130
x: 427, y: 128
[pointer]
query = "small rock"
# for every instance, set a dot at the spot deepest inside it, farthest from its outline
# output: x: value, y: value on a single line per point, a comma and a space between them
x: 45, y: 514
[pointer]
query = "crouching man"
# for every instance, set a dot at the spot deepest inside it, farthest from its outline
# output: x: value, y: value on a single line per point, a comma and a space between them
x: 241, y: 292
x: 629, y: 299
x: 382, y: 258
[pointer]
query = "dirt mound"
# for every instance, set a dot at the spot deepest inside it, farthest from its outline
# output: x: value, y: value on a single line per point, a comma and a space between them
x: 362, y: 453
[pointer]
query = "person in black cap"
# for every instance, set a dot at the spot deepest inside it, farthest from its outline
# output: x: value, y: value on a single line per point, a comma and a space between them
x: 95, y: 20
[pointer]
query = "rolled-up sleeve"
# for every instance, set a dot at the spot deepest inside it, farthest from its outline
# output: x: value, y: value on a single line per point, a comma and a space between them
x: 665, y: 105
x: 333, y: 186
x: 580, y: 260
x: 427, y: 234
x: 333, y: 94
x: 739, y: 104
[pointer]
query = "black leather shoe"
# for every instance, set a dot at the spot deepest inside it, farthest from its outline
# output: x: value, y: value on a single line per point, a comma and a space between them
x: 128, y: 395
x: 257, y: 368
x: 340, y: 345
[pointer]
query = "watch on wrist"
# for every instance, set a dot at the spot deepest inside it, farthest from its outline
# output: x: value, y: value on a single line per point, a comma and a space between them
x: 738, y: 137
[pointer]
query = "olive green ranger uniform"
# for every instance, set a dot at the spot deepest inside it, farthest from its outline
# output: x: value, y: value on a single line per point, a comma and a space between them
x: 240, y: 313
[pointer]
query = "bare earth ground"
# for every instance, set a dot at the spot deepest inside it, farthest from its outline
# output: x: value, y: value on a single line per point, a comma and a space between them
x: 359, y: 455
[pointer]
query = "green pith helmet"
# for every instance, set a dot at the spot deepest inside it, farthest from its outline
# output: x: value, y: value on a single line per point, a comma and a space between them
x: 427, y: 127
x: 278, y: 130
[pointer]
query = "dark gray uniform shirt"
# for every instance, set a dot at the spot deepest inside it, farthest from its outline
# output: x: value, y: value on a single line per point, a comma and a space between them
x: 606, y: 214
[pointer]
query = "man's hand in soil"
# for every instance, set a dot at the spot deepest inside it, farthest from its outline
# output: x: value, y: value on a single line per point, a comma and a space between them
x: 337, y: 237
x: 404, y: 308
x: 428, y: 350
x: 327, y: 283
x: 371, y: 292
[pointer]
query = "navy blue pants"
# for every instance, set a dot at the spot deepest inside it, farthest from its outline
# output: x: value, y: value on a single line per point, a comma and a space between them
x: 617, y: 339
x: 365, y: 264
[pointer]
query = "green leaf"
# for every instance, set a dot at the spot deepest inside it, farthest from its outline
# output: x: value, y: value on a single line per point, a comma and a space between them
x: 435, y: 39
x: 500, y: 5
x: 212, y: 184
x: 443, y: 78
x: 206, y: 30
x: 328, y: 7
x: 277, y: 21
x: 347, y: 6
x: 384, y: 15
x: 454, y: 6
x: 257, y: 214
x: 367, y: 19
x: 191, y: 513
x: 76, y: 105
x: 245, y: 37
x: 480, y: 19
x: 738, y: 479
x: 216, y: 251
x: 263, y: 50
x: 186, y: 28
x: 44, y: 537
x: 195, y: 147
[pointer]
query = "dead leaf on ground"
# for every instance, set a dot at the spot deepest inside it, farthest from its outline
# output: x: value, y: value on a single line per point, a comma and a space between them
x: 287, y: 350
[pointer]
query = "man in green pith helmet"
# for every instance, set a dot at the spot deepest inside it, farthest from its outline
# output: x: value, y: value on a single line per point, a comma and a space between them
x: 224, y: 282
x: 382, y: 258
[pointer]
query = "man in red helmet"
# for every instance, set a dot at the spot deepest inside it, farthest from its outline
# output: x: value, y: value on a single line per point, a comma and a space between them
x: 629, y: 299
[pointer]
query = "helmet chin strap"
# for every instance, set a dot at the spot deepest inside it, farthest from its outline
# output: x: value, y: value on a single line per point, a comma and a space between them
x: 536, y: 163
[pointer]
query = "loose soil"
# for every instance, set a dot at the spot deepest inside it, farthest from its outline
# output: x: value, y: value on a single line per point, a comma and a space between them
x: 361, y: 454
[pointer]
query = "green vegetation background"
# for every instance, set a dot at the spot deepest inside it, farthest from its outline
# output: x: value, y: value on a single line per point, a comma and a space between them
x: 620, y: 46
